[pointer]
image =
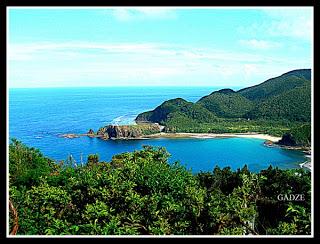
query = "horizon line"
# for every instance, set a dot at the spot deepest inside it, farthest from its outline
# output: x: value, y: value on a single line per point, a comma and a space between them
x: 52, y: 87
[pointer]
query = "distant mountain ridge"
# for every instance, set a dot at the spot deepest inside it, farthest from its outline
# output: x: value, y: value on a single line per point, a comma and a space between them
x: 286, y: 97
x: 277, y: 85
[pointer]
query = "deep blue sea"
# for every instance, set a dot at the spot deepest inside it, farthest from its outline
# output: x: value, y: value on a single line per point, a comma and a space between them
x: 38, y: 116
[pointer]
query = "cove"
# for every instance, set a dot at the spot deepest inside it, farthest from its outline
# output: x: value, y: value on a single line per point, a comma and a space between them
x: 196, y: 154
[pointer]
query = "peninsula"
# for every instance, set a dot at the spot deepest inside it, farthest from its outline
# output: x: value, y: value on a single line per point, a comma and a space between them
x: 277, y: 110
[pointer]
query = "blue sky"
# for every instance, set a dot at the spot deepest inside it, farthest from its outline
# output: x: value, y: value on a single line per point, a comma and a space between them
x: 146, y: 46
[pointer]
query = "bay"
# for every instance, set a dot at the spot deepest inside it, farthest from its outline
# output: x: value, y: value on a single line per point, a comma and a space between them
x: 38, y: 116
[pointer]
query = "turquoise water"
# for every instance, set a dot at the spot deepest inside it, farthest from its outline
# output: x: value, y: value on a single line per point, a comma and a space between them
x: 38, y: 116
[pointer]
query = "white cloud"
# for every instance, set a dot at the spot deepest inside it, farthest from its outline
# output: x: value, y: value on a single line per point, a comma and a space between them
x: 291, y: 22
x: 122, y: 14
x: 72, y: 50
x: 78, y: 63
x: 250, y: 69
x: 260, y: 44
x: 141, y: 13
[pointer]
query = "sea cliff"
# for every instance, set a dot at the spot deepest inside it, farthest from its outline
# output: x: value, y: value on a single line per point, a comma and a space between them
x: 128, y: 131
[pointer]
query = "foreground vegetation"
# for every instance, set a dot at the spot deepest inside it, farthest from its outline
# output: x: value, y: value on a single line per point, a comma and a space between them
x: 140, y: 193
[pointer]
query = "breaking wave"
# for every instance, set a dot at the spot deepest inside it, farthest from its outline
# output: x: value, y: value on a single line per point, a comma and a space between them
x: 124, y: 120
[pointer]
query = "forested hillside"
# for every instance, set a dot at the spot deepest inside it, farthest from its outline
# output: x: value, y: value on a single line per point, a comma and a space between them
x: 277, y: 85
x: 283, y: 102
x: 177, y: 107
x: 292, y: 105
x: 226, y: 103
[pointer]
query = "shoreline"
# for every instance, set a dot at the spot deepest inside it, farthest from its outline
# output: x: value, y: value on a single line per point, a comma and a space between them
x: 306, y: 164
x: 185, y: 135
x: 269, y: 140
x: 213, y: 135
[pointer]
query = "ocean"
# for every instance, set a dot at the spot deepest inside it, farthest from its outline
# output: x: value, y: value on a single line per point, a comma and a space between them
x: 37, y: 116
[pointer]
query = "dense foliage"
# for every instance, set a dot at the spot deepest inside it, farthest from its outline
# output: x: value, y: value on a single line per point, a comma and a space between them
x: 277, y: 85
x: 293, y: 105
x: 298, y: 136
x: 27, y: 165
x: 276, y: 128
x: 226, y: 104
x: 177, y: 107
x: 141, y: 193
x: 281, y: 100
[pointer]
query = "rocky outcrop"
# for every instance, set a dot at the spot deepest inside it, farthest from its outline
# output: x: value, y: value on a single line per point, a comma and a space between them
x: 69, y: 136
x: 268, y: 143
x: 90, y: 133
x: 128, y: 131
x: 115, y: 131
x: 287, y: 140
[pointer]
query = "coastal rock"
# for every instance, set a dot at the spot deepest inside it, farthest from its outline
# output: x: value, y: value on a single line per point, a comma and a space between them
x: 287, y: 140
x: 90, y: 133
x: 128, y: 131
x: 268, y: 143
x: 70, y: 136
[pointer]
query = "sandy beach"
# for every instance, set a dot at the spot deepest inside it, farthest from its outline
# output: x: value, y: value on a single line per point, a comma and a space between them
x: 189, y: 135
x: 214, y: 135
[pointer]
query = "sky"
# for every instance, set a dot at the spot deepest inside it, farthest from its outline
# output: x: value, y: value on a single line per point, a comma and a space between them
x: 153, y: 46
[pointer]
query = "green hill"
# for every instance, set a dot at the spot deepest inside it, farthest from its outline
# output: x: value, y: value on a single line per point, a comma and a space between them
x: 274, y: 106
x: 277, y: 85
x: 177, y: 108
x: 226, y: 103
x: 292, y: 105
